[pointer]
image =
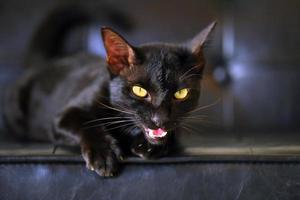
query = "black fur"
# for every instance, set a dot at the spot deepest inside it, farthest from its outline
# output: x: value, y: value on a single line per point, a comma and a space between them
x: 77, y: 101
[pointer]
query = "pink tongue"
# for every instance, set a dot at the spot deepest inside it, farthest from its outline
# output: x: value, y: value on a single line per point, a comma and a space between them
x: 158, y: 132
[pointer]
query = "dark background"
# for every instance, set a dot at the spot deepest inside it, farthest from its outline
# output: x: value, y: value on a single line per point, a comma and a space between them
x: 253, y: 56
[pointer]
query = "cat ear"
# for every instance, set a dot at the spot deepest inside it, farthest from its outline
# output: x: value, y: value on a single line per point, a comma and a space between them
x: 197, y: 43
x: 119, y: 52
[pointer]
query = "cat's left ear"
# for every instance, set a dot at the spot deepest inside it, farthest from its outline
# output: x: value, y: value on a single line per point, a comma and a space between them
x: 120, y: 54
x: 197, y: 43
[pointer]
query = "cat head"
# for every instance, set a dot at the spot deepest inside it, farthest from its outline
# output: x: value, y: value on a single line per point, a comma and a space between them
x: 157, y: 83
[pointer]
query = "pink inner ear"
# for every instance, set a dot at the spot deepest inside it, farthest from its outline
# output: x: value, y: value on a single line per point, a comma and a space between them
x: 115, y: 47
x: 118, y: 52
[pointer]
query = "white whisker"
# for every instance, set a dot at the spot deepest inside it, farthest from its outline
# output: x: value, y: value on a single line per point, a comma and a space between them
x: 116, y: 109
x: 109, y: 123
x: 105, y: 118
x: 124, y: 125
x: 204, y: 107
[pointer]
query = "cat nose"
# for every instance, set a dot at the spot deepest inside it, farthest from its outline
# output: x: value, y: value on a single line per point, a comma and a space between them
x: 159, y: 121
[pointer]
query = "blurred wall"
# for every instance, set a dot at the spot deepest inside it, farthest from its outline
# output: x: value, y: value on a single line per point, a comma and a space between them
x: 253, y: 56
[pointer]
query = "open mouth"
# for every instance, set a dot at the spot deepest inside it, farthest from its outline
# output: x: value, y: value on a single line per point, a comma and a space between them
x: 157, y: 135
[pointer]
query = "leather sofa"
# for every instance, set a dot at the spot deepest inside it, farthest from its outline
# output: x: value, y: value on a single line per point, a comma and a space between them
x: 234, y: 169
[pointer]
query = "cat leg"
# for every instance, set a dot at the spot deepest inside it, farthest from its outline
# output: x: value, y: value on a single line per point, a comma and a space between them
x: 99, y: 149
x: 16, y: 104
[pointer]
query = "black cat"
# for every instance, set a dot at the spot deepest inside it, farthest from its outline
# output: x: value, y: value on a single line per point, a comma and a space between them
x: 134, y: 107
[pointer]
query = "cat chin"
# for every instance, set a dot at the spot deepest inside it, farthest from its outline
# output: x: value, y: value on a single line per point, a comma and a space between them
x: 156, y: 142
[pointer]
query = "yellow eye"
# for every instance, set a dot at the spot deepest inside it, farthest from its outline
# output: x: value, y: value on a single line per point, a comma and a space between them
x: 139, y: 91
x: 181, y: 94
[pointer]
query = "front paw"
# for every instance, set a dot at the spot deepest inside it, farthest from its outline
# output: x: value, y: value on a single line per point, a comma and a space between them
x: 103, y: 159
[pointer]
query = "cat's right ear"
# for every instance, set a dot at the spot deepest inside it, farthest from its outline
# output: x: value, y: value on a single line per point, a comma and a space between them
x: 120, y: 54
x: 197, y: 44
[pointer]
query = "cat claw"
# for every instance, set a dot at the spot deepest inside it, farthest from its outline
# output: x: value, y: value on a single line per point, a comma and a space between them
x: 90, y: 167
x: 105, y: 174
x: 102, y: 161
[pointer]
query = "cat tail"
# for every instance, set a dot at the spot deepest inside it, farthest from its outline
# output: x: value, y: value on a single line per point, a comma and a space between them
x: 64, y: 31
x: 47, y: 42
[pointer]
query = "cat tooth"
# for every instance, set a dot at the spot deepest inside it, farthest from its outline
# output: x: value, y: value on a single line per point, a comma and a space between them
x: 151, y: 133
x: 164, y: 134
